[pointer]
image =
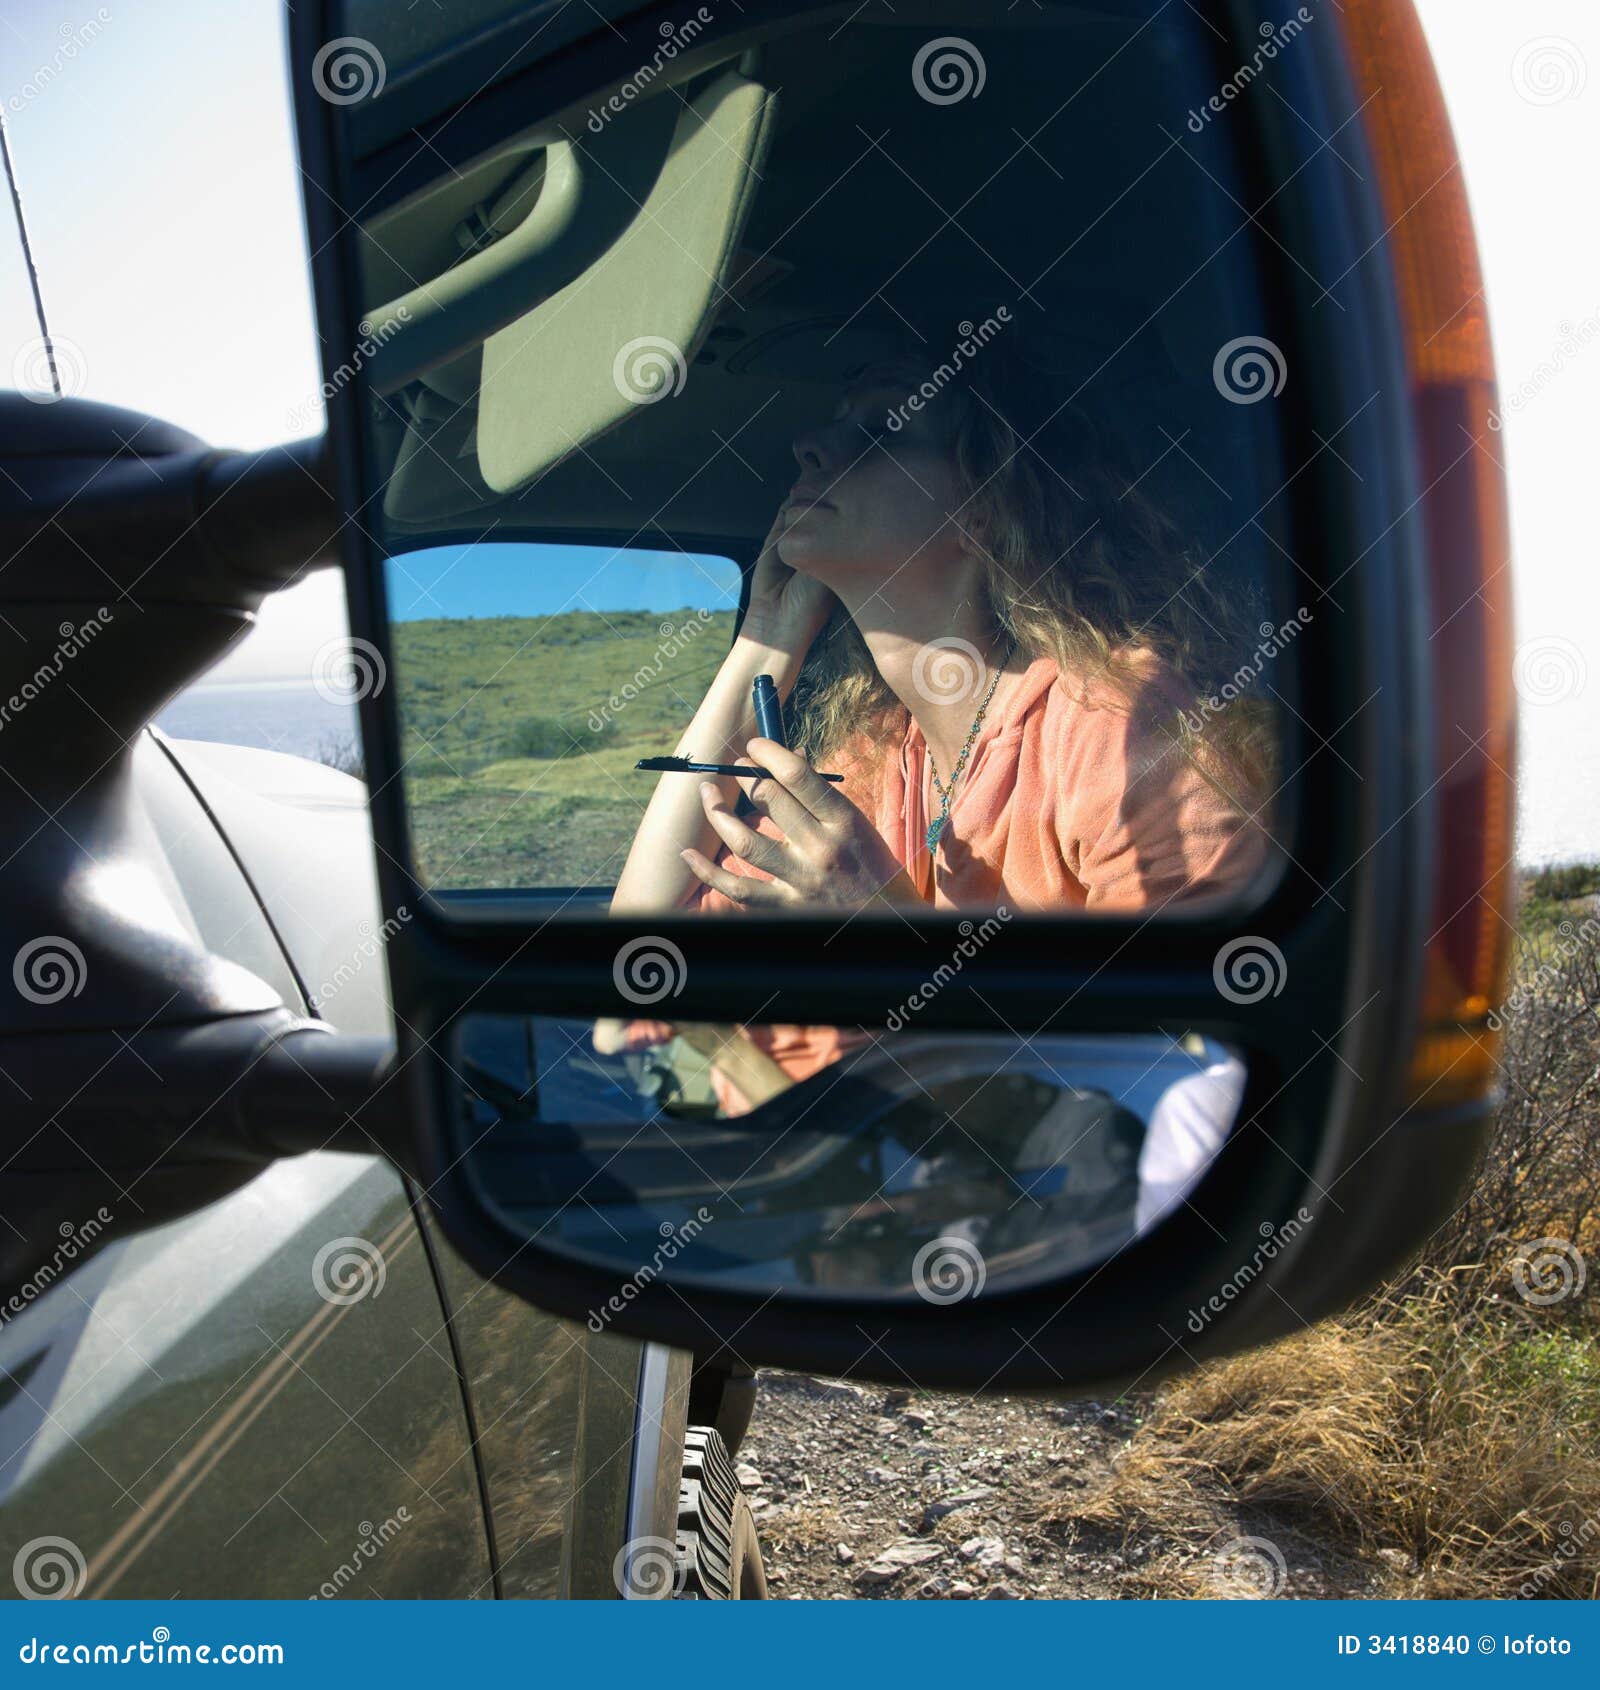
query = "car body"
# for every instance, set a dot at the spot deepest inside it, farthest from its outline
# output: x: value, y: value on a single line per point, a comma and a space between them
x: 301, y: 1390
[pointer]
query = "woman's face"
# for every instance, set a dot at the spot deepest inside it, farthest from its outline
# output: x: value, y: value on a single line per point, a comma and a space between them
x: 877, y: 502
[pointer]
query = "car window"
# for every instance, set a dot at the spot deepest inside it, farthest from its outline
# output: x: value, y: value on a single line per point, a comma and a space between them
x: 531, y: 677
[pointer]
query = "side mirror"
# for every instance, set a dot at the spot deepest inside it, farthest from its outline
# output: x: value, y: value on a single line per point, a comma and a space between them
x: 1230, y: 1048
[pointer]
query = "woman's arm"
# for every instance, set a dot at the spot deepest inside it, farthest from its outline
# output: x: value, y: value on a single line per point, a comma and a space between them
x: 734, y: 1054
x: 785, y: 614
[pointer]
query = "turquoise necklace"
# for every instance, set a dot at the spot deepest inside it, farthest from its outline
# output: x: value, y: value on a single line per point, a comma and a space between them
x: 947, y: 794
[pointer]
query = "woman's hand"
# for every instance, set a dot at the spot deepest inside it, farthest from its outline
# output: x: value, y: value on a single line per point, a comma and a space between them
x: 787, y: 610
x: 830, y: 854
x: 785, y: 614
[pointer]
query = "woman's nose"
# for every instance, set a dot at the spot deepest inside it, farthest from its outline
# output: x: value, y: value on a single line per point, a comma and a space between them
x: 810, y: 451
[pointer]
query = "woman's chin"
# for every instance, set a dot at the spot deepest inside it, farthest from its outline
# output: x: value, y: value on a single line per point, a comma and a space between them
x: 799, y: 552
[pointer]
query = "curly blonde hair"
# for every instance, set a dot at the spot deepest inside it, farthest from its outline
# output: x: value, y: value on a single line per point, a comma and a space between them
x: 1081, y: 567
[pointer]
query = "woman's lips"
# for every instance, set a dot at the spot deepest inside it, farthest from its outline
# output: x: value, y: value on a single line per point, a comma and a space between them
x: 807, y: 498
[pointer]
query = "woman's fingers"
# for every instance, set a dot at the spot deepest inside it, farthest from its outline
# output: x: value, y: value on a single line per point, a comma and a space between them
x: 740, y: 888
x: 821, y: 801
x: 766, y: 854
x: 793, y: 818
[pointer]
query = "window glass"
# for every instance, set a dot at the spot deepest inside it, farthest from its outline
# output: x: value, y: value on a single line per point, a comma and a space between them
x: 530, y: 678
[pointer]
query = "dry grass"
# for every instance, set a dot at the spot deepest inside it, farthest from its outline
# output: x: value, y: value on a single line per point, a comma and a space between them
x: 1462, y: 1445
x: 802, y: 1528
x: 1447, y: 1434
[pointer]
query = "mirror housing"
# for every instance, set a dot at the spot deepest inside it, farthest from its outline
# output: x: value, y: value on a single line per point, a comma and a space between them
x: 1328, y: 1013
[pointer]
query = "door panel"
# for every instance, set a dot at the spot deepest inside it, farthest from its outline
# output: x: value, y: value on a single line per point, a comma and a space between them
x: 553, y: 1409
x: 253, y: 1401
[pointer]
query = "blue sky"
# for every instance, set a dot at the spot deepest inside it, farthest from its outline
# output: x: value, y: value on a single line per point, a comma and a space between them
x: 154, y: 144
x: 517, y: 579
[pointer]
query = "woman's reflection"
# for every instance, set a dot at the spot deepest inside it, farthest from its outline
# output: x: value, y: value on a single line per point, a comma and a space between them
x: 993, y: 633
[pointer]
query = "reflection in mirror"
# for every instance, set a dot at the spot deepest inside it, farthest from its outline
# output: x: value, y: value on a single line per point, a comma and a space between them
x: 957, y: 417
x: 530, y: 679
x: 939, y: 1166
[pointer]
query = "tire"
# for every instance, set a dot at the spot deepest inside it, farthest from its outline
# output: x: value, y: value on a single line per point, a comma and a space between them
x: 719, y: 1554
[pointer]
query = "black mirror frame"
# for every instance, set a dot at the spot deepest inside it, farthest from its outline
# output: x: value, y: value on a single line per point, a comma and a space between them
x: 1327, y: 1056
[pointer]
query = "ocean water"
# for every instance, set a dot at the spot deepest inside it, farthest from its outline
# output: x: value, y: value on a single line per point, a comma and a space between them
x: 286, y: 715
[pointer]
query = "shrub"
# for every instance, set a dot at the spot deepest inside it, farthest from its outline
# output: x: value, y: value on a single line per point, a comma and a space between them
x: 1449, y: 1426
x: 558, y: 736
x: 1423, y: 1429
x: 1561, y: 882
x: 343, y: 752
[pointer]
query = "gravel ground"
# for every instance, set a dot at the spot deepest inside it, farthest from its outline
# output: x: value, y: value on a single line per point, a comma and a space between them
x: 865, y: 1492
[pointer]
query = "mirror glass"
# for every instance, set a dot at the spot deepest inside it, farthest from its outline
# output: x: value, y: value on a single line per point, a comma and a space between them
x: 854, y: 353
x: 908, y: 1164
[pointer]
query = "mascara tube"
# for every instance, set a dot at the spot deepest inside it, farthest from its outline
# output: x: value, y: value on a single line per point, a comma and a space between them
x: 769, y: 712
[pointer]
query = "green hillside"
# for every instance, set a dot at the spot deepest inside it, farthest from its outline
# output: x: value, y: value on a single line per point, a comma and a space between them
x: 520, y: 734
